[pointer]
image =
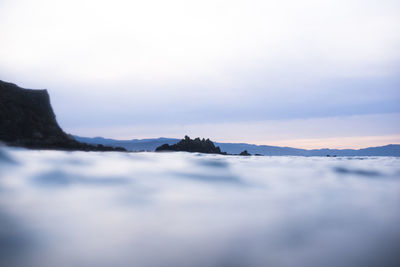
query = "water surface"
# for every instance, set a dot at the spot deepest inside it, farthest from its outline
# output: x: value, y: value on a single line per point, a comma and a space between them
x: 180, y: 209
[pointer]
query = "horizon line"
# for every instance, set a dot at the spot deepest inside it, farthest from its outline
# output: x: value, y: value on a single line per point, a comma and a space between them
x: 240, y: 142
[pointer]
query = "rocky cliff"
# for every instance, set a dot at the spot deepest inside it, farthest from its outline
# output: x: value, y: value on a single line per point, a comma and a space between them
x: 27, y: 119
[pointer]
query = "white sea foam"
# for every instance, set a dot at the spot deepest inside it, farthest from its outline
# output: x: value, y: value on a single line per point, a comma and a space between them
x: 181, y: 209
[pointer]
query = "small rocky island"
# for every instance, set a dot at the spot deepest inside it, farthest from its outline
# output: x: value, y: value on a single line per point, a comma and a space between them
x: 27, y: 120
x: 192, y: 145
x: 196, y: 145
x: 244, y: 153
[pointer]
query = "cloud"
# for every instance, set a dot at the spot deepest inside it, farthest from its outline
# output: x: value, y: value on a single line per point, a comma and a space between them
x: 184, y: 40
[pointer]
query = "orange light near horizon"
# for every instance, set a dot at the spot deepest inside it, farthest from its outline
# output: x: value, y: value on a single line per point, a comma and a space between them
x: 354, y: 142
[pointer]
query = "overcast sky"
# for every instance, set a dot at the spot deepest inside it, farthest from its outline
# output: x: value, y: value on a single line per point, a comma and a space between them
x: 303, y: 73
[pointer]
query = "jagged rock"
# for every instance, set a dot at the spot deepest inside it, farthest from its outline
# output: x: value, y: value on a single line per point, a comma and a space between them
x: 192, y: 145
x: 27, y: 120
x: 244, y: 153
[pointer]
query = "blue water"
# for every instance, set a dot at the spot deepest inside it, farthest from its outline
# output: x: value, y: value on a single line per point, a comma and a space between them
x: 180, y: 209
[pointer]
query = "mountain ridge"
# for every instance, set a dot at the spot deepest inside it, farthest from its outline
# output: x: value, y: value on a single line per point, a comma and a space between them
x: 150, y: 144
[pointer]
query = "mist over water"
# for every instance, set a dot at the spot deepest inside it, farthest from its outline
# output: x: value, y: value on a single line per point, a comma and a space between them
x: 181, y: 209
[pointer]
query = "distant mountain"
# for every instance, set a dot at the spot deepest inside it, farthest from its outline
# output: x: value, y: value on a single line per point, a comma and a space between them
x: 237, y: 148
x: 131, y: 145
x: 234, y: 148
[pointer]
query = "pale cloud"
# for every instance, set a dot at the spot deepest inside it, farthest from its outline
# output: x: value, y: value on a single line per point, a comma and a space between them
x: 143, y: 41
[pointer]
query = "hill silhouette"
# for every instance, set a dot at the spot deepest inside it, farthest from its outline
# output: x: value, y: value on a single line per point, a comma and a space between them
x: 27, y: 120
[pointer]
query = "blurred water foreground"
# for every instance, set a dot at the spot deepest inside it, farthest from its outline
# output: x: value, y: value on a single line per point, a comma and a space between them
x: 179, y: 209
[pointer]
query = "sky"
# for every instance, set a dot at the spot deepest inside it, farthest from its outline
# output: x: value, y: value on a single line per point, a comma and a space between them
x: 301, y: 73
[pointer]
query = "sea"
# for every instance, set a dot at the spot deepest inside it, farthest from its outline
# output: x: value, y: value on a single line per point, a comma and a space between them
x: 100, y: 209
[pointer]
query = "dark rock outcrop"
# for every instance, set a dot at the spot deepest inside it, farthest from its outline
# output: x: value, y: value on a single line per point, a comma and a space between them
x: 27, y: 120
x: 192, y: 145
x: 244, y: 153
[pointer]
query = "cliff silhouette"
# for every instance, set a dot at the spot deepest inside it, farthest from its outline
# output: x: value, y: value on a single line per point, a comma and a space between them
x: 28, y: 120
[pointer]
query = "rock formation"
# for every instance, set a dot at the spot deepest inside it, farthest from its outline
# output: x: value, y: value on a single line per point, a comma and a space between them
x: 192, y: 145
x: 27, y: 120
x: 244, y: 153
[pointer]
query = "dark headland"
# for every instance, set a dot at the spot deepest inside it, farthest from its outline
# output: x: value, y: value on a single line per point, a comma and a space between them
x: 27, y: 120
